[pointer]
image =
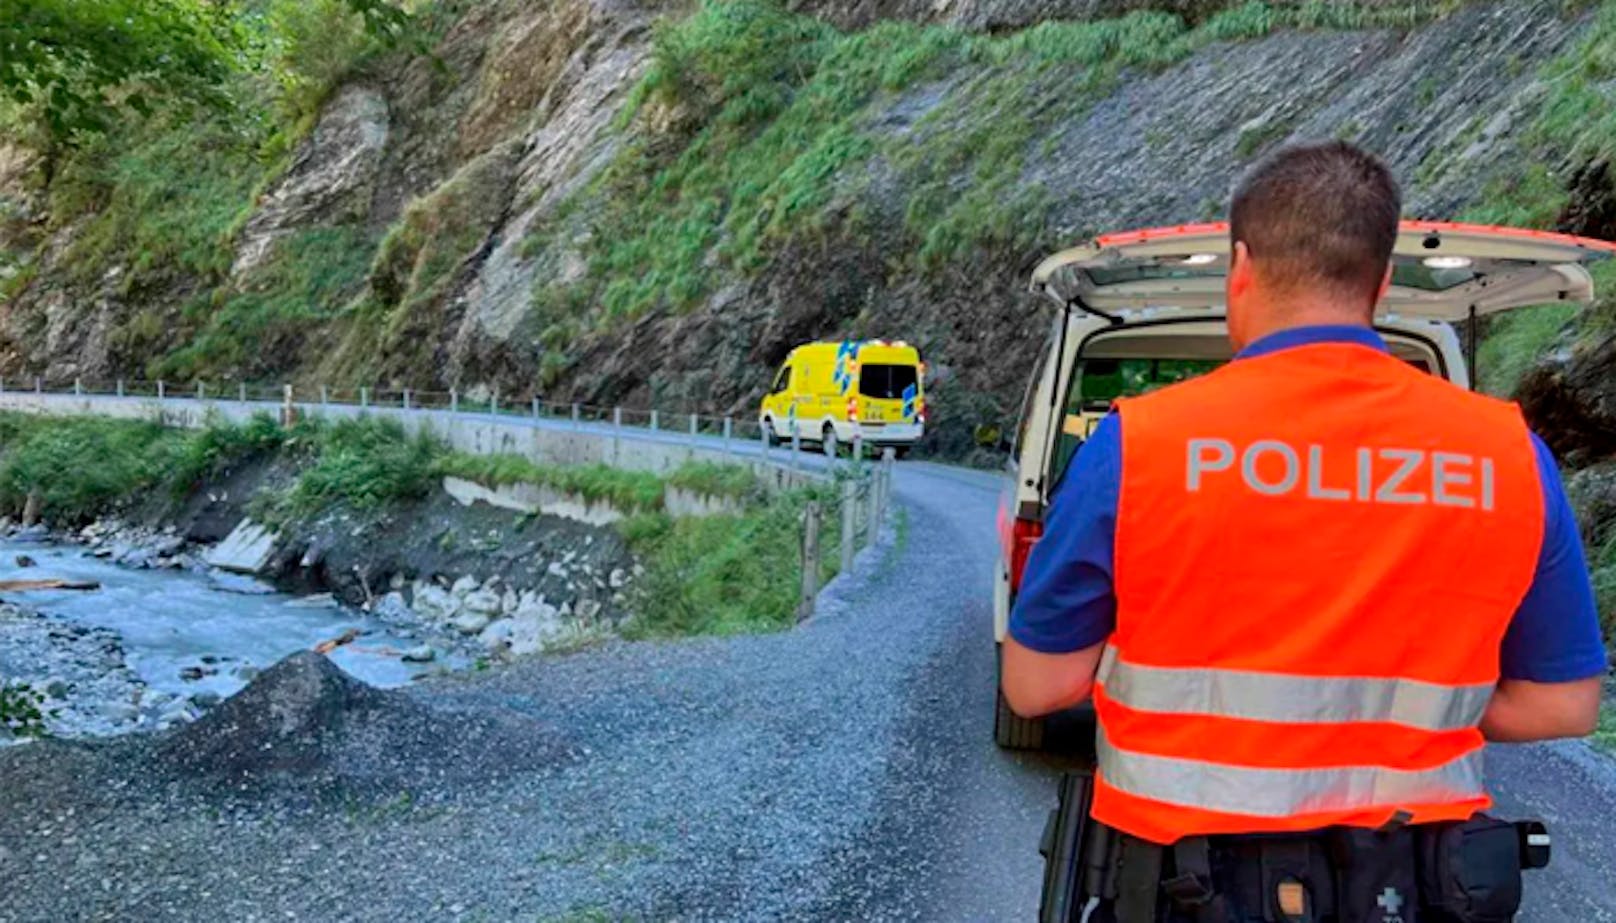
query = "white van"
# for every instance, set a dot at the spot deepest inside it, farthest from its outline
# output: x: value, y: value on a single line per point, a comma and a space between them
x: 1143, y: 309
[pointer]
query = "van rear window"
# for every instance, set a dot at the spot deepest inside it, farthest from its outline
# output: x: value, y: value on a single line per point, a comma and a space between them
x: 886, y: 382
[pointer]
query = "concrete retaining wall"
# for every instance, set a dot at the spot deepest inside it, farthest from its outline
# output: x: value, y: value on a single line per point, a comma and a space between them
x: 541, y: 441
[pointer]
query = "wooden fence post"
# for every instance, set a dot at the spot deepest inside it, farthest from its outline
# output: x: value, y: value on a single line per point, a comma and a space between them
x: 810, y: 561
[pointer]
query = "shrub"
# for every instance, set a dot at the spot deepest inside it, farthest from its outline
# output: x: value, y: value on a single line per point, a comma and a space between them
x: 21, y: 711
x: 221, y: 444
x: 365, y: 463
x: 79, y: 467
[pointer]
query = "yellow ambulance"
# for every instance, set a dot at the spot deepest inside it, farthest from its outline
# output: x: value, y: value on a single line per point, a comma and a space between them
x: 829, y: 392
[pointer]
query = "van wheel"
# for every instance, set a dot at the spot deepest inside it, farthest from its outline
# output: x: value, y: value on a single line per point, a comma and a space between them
x: 769, y: 435
x: 1010, y: 730
x: 829, y: 442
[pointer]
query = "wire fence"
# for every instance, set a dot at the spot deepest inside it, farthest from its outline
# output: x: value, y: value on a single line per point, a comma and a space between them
x: 835, y: 531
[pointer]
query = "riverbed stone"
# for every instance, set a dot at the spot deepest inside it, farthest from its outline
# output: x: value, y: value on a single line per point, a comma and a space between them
x: 422, y: 654
x: 497, y: 636
x: 433, y: 602
x: 471, y: 623
x: 482, y: 602
x: 464, y: 587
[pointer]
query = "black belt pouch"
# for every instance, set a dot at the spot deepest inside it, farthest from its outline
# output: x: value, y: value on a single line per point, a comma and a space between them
x: 1470, y: 872
x: 1376, y: 880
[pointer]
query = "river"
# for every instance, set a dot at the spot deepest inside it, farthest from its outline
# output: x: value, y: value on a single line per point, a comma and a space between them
x: 185, y: 632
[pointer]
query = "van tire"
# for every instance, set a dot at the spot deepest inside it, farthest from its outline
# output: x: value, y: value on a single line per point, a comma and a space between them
x: 828, y: 441
x: 769, y: 435
x: 1010, y: 730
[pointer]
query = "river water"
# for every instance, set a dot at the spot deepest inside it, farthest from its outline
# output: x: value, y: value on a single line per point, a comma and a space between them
x: 174, y: 620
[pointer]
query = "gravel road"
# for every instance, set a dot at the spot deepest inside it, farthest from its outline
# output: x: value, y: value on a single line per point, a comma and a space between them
x: 842, y: 771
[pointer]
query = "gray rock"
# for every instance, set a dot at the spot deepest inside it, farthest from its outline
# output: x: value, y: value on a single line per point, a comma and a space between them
x: 206, y: 700
x: 423, y: 654
x: 24, y: 561
x: 471, y: 623
x: 497, y: 636
x: 482, y: 602
x: 119, y: 712
x: 618, y: 579
x: 246, y: 672
x: 56, y: 688
x: 464, y: 587
x: 331, y: 178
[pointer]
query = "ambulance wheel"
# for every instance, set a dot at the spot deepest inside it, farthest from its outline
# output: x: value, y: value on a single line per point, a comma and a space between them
x: 829, y: 442
x: 1010, y: 730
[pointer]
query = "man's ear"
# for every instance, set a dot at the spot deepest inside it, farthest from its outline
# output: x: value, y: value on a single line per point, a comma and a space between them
x: 1385, y: 286
x: 1241, y: 272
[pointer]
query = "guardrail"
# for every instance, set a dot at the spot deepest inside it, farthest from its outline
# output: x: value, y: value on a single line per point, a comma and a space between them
x: 561, y: 432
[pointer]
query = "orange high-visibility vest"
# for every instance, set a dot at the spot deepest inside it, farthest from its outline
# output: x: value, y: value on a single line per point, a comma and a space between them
x: 1318, y: 551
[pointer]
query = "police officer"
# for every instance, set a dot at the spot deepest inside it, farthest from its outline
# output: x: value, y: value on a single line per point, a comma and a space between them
x: 1305, y: 589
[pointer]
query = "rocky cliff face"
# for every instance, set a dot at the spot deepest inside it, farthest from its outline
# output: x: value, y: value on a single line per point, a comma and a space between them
x: 471, y: 189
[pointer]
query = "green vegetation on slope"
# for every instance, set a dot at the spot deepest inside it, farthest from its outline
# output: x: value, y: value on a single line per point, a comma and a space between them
x: 1575, y: 125
x: 753, y: 126
x: 723, y: 575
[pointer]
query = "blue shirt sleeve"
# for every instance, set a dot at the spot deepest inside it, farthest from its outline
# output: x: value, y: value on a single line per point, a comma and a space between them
x: 1066, y: 601
x: 1554, y: 636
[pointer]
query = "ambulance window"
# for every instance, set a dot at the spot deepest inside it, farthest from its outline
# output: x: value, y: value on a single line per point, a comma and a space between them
x: 886, y: 382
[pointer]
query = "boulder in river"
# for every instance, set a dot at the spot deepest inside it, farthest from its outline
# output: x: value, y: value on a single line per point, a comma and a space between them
x: 24, y: 561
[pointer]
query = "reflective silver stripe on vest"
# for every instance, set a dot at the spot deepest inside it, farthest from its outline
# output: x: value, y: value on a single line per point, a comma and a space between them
x: 1295, y: 699
x: 1285, y: 792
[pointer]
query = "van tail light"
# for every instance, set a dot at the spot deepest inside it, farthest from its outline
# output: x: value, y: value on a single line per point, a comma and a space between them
x: 920, y: 411
x: 1023, y: 535
x: 852, y: 410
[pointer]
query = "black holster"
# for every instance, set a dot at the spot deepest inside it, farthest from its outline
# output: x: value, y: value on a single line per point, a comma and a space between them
x: 1467, y: 872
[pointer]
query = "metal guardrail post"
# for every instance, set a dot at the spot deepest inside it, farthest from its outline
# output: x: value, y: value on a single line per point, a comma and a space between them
x: 763, y: 437
x: 617, y: 417
x: 201, y: 391
x: 810, y: 561
x: 159, y: 389
x: 324, y: 396
x: 493, y: 404
x: 536, y: 411
x: 655, y: 423
x: 858, y: 450
x: 729, y: 430
x: 850, y: 491
x: 796, y: 446
x: 288, y: 412
x: 78, y: 388
x: 120, y: 387
x: 577, y: 418
x: 406, y: 398
x: 364, y: 396
x: 454, y: 401
x: 693, y: 432
x: 39, y: 386
x: 241, y: 392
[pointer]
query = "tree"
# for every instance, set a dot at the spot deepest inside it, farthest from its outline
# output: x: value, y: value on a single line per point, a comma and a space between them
x: 74, y: 62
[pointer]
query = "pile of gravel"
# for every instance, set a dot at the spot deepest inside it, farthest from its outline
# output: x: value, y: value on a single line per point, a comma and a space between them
x: 305, y: 723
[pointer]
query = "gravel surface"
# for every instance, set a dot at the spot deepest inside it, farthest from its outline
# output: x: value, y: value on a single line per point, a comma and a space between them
x: 841, y: 771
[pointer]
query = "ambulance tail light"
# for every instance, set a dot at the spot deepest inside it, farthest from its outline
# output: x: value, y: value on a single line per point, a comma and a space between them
x: 1023, y: 535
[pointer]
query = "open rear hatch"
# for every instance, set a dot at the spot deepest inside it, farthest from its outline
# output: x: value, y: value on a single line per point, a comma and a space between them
x: 1441, y: 271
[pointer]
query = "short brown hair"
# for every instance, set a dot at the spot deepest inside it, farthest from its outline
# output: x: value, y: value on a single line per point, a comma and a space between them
x: 1319, y: 215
